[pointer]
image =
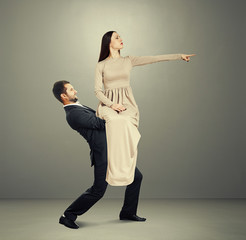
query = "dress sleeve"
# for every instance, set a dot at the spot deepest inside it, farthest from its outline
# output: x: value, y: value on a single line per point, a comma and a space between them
x: 142, y: 60
x: 98, y: 86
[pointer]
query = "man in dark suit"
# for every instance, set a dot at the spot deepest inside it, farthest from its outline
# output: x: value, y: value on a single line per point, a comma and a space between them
x: 83, y: 120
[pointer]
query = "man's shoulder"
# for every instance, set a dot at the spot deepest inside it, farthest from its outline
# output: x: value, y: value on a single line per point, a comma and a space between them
x: 74, y: 114
x: 76, y: 110
x: 74, y: 107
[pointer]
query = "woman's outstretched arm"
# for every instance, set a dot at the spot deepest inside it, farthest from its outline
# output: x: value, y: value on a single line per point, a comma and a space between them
x: 142, y: 60
x: 98, y: 86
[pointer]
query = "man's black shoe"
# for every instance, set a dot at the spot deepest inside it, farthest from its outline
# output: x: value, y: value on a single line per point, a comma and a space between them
x: 68, y: 222
x: 132, y: 217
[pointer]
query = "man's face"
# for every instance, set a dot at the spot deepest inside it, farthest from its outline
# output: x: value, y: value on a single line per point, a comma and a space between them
x: 71, y: 93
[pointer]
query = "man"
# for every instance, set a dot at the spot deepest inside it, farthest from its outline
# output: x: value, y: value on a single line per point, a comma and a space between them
x: 83, y: 120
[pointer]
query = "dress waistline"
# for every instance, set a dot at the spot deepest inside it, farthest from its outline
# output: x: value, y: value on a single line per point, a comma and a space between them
x: 117, y: 88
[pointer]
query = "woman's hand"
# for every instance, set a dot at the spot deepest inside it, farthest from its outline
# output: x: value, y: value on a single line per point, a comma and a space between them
x: 118, y: 107
x: 186, y: 57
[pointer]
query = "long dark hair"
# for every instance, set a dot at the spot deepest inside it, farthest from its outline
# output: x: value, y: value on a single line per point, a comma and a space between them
x: 106, y: 39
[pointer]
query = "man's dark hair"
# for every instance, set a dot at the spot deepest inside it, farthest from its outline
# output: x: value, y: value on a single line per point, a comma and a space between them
x: 59, y: 88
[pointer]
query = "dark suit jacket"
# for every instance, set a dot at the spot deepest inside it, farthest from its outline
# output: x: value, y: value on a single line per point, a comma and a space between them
x: 90, y: 127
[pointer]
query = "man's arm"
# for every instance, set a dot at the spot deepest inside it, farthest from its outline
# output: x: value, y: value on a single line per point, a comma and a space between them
x: 85, y: 120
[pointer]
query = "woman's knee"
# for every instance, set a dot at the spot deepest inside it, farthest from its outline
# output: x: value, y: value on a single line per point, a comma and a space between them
x: 118, y: 119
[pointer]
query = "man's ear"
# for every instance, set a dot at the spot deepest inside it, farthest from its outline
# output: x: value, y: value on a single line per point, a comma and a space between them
x: 63, y: 96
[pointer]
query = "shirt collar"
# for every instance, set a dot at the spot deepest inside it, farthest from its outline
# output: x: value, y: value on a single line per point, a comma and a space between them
x: 74, y: 104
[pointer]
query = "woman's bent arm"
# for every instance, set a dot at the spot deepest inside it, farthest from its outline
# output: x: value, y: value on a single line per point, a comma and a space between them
x: 98, y: 86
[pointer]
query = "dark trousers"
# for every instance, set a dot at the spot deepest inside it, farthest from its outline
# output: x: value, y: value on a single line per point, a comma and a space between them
x: 84, y: 202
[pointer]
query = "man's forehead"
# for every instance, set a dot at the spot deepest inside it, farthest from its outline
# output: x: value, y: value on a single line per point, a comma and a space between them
x: 68, y: 85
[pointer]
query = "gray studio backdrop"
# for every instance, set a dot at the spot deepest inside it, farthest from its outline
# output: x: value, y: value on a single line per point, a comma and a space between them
x: 192, y: 115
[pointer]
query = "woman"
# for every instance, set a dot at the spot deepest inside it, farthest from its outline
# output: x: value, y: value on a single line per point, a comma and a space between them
x: 118, y: 107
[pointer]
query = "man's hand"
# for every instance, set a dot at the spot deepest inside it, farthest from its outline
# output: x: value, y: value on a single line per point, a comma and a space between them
x: 118, y: 107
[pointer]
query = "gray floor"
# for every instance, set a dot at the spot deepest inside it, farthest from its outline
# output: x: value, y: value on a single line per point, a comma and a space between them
x: 171, y: 219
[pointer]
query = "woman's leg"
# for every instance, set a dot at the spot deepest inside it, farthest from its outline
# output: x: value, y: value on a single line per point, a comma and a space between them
x: 122, y: 140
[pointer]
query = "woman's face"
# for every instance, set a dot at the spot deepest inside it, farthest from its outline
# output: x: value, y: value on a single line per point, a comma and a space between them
x: 116, y: 41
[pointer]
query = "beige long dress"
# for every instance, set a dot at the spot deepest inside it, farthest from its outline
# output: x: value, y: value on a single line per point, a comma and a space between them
x: 121, y: 128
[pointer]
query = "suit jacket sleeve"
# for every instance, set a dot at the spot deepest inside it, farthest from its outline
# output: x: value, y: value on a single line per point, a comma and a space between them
x: 142, y: 60
x: 98, y: 86
x: 86, y: 120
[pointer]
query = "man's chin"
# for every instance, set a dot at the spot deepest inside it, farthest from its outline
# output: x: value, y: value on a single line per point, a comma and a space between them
x: 74, y: 100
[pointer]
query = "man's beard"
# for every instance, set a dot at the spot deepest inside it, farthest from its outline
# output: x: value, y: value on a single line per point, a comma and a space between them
x: 73, y: 100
